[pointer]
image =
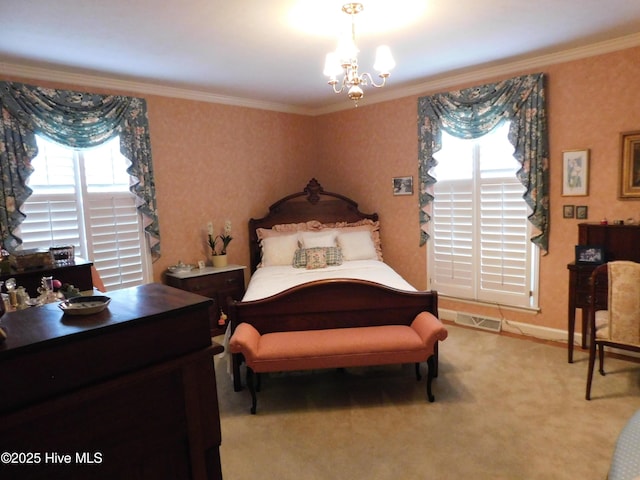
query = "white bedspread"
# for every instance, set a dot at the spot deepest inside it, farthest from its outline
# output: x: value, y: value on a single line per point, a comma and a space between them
x: 268, y: 281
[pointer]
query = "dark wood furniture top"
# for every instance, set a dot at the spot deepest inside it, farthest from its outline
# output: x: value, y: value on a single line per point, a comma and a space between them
x: 219, y: 284
x: 132, y: 388
x: 78, y: 275
x: 313, y: 203
x: 620, y: 242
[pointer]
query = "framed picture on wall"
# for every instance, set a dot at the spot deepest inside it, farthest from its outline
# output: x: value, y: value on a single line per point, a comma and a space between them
x: 575, y: 173
x: 630, y: 165
x: 403, y: 185
x: 582, y: 212
x: 568, y: 211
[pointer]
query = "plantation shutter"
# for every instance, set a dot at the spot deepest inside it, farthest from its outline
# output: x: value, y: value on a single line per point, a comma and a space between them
x: 51, y: 220
x: 115, y: 238
x: 480, y: 248
x: 452, y: 238
x: 82, y: 198
x: 503, y: 261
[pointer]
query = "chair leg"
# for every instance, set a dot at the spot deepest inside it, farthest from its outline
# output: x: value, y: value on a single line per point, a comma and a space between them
x: 601, y: 358
x: 418, y: 376
x: 592, y: 361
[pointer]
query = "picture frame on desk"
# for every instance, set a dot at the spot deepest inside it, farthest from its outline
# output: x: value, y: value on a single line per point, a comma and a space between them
x: 590, y: 255
x: 630, y: 165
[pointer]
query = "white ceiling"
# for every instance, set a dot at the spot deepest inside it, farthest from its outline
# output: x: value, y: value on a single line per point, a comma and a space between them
x: 249, y: 51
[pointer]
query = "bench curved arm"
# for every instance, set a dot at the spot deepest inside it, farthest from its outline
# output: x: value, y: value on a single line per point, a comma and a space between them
x: 430, y: 329
x: 245, y: 340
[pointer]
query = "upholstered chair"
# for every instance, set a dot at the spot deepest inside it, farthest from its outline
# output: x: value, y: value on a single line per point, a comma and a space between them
x: 616, y: 324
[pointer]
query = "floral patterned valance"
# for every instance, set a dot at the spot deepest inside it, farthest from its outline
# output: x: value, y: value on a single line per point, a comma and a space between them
x: 76, y: 119
x: 473, y: 112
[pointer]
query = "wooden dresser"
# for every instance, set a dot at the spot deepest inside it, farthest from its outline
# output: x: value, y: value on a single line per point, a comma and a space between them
x: 620, y: 242
x: 129, y: 392
x: 78, y: 275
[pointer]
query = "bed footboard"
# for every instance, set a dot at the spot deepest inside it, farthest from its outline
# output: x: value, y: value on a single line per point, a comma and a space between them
x: 335, y: 303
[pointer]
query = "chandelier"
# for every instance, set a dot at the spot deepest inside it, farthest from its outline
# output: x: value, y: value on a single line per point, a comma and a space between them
x: 344, y: 61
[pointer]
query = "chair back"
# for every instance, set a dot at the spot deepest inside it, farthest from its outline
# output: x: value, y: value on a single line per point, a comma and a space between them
x: 624, y: 302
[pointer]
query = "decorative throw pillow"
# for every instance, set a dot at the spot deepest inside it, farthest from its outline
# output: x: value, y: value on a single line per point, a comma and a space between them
x: 300, y: 258
x: 333, y: 256
x: 316, y: 258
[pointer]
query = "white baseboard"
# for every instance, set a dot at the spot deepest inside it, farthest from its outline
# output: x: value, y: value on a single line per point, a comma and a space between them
x: 525, y: 329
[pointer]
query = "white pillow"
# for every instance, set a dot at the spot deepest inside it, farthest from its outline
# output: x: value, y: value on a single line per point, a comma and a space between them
x: 357, y: 246
x: 279, y: 250
x: 318, y: 239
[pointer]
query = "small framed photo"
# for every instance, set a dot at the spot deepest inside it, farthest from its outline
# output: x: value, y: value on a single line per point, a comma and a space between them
x: 575, y: 173
x: 582, y: 212
x: 201, y: 264
x: 403, y: 185
x: 630, y: 165
x: 568, y: 211
x: 590, y: 254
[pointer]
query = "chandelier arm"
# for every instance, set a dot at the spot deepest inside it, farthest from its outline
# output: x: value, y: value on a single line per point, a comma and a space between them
x: 335, y: 90
x: 367, y: 75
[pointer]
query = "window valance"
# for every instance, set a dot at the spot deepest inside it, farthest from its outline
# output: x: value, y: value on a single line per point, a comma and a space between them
x: 473, y: 112
x: 76, y: 119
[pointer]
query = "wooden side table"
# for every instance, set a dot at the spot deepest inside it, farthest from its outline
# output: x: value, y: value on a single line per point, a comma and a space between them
x: 215, y: 283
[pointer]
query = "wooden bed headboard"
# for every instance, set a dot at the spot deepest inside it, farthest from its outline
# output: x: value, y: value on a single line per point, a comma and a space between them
x: 313, y: 203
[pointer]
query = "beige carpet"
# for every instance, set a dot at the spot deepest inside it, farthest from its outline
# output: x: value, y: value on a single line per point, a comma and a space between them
x: 506, y: 408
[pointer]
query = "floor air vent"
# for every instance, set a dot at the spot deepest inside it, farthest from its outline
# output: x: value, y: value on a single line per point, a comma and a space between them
x: 485, y: 323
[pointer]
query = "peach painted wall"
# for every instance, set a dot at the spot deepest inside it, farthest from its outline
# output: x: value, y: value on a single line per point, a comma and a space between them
x: 590, y: 102
x: 216, y: 162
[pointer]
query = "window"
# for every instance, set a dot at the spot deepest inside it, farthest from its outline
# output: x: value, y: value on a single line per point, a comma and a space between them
x: 480, y: 248
x: 82, y: 198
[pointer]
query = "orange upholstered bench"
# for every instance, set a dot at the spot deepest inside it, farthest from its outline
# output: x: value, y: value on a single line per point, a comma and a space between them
x: 339, y: 348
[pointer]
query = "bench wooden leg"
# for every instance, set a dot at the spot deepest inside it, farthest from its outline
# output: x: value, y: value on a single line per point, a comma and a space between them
x: 236, y: 361
x: 435, y: 356
x: 431, y: 368
x: 252, y: 389
x: 418, y: 376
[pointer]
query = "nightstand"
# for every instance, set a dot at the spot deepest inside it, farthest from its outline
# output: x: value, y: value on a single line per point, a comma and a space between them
x: 215, y: 283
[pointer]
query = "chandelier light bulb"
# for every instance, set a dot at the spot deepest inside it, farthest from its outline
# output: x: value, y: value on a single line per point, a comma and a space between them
x: 347, y: 50
x: 384, y: 60
x: 332, y: 66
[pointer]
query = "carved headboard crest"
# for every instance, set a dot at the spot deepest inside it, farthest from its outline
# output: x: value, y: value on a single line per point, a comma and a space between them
x: 322, y: 206
x: 313, y: 191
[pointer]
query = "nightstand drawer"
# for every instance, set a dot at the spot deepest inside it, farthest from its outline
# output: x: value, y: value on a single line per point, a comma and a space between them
x: 233, y: 280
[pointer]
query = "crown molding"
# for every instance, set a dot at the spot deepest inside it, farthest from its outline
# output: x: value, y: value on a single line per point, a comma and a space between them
x: 448, y: 81
x: 41, y: 73
x: 504, y: 68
